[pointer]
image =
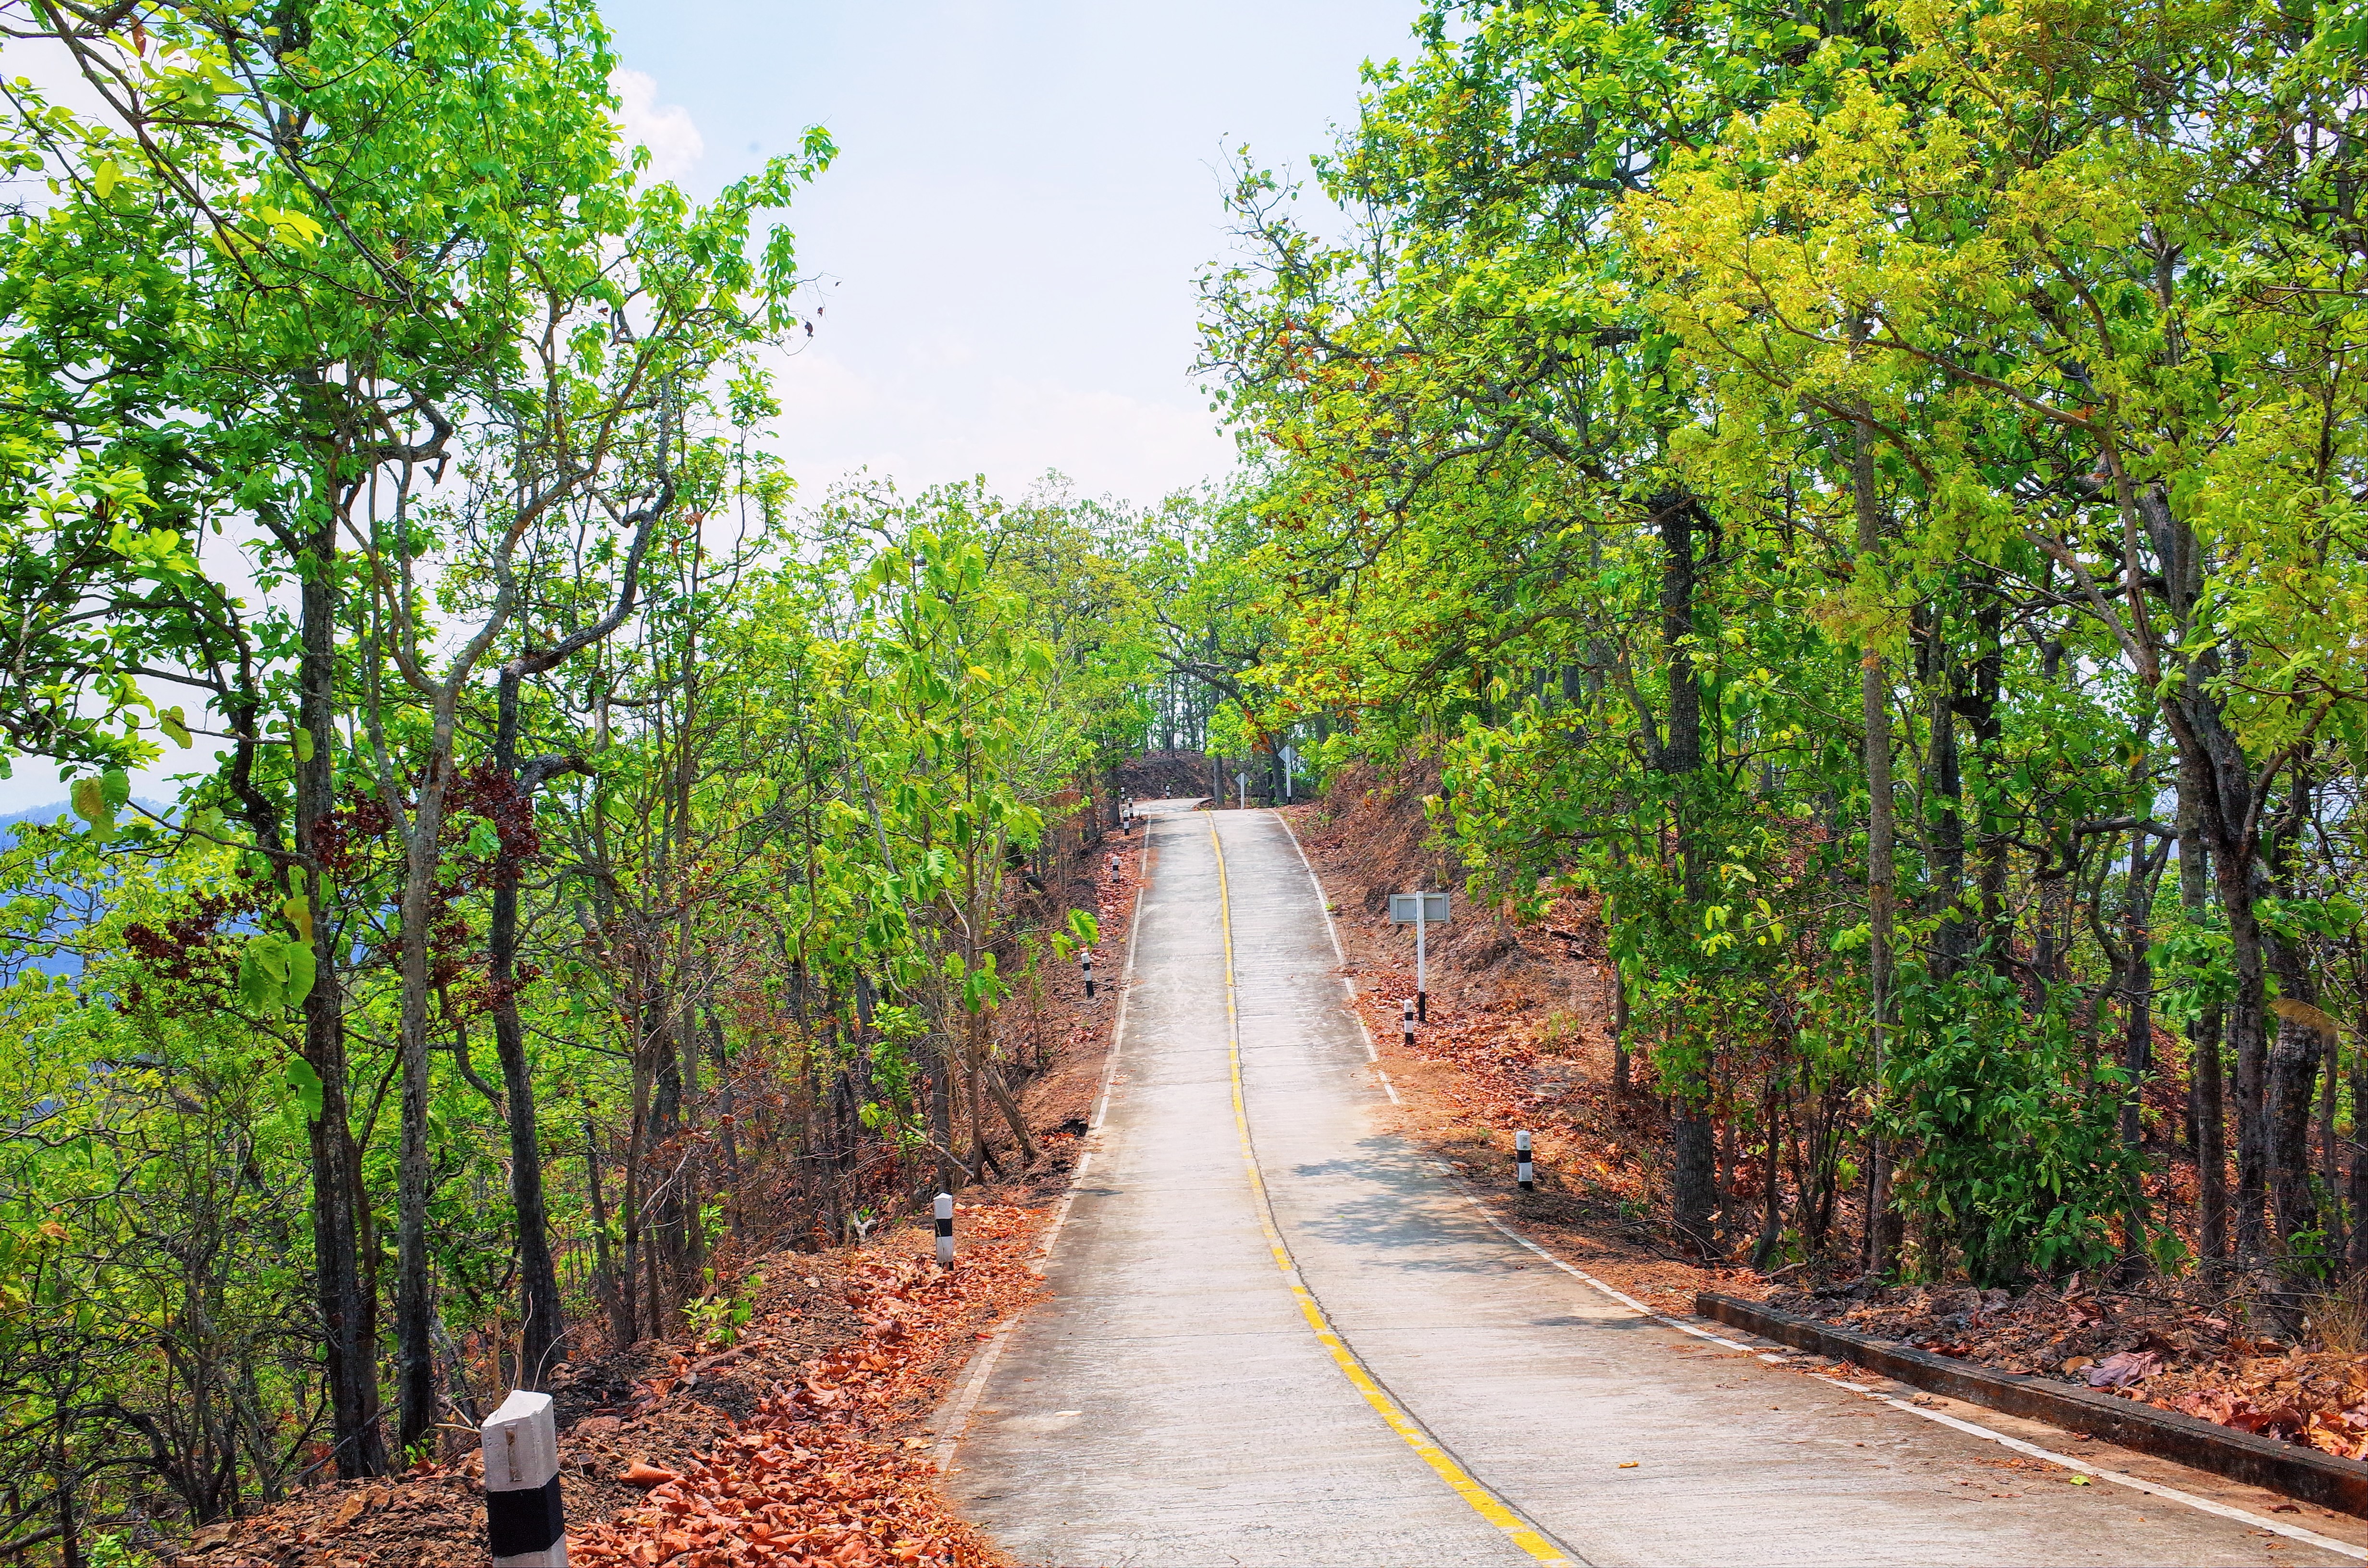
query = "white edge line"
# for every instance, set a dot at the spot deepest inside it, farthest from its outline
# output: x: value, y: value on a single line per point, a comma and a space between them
x: 974, y: 1385
x: 1347, y: 984
x: 2119, y: 1478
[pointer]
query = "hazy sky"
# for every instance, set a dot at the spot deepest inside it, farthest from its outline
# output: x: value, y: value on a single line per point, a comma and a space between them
x: 1023, y: 195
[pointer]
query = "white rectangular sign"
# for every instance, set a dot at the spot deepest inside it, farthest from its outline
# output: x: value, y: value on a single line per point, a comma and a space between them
x: 1434, y: 908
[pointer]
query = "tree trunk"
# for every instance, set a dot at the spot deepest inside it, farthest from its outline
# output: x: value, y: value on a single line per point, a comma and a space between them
x: 2248, y: 1037
x: 539, y: 1308
x: 2294, y: 1067
x: 604, y: 1268
x: 1875, y: 710
x: 1952, y: 938
x: 2137, y: 984
x: 1695, y: 1186
x: 345, y: 1289
x: 1011, y: 1108
x: 2355, y: 1180
x: 1618, y: 990
x: 2204, y: 1043
x: 414, y: 1303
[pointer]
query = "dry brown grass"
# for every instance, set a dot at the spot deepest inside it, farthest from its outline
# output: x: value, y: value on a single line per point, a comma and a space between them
x: 2338, y: 1320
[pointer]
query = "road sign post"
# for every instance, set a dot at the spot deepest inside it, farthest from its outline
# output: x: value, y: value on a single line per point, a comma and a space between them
x: 1421, y: 911
x: 1290, y: 760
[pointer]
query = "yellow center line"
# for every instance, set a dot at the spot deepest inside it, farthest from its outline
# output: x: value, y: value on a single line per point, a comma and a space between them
x: 1483, y: 1501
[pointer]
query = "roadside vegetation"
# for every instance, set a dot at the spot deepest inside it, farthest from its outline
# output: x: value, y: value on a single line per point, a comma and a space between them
x: 1867, y: 499
x: 1850, y: 515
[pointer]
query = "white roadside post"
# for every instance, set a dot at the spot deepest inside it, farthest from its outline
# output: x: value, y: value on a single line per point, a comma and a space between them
x: 1421, y: 964
x: 1421, y: 911
x: 522, y: 1512
x: 1114, y: 874
x: 1524, y: 1172
x: 945, y: 1208
x: 1089, y: 977
x: 1406, y: 1022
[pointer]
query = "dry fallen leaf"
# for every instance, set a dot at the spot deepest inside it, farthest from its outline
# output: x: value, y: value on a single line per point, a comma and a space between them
x: 646, y: 1475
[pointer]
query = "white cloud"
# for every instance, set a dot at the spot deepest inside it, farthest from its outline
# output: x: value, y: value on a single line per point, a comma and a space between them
x: 666, y: 130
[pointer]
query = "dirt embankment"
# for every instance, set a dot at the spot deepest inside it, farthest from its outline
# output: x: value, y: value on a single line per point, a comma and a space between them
x: 798, y: 1442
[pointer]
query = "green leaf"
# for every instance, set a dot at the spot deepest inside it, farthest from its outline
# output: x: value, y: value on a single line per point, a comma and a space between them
x: 305, y: 1084
x: 258, y: 988
x: 298, y: 957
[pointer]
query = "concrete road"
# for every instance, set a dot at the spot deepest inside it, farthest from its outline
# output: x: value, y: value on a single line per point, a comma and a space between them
x: 1414, y: 1391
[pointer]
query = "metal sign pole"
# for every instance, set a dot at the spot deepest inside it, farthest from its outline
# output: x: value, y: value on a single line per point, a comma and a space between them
x: 1421, y: 967
x: 1414, y: 909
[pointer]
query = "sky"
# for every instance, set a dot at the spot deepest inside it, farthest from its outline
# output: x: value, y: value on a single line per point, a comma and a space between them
x: 1007, y: 245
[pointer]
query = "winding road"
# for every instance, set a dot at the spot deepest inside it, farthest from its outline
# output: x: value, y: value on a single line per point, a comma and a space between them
x: 1280, y: 1335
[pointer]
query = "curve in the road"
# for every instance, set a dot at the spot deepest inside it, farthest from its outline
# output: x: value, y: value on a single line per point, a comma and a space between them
x: 1501, y: 1515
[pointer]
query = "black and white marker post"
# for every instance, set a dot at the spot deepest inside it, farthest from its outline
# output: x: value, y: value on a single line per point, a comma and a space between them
x: 1406, y: 1022
x: 1523, y: 1171
x: 1089, y: 977
x: 945, y: 1208
x: 1113, y: 871
x: 522, y: 1513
